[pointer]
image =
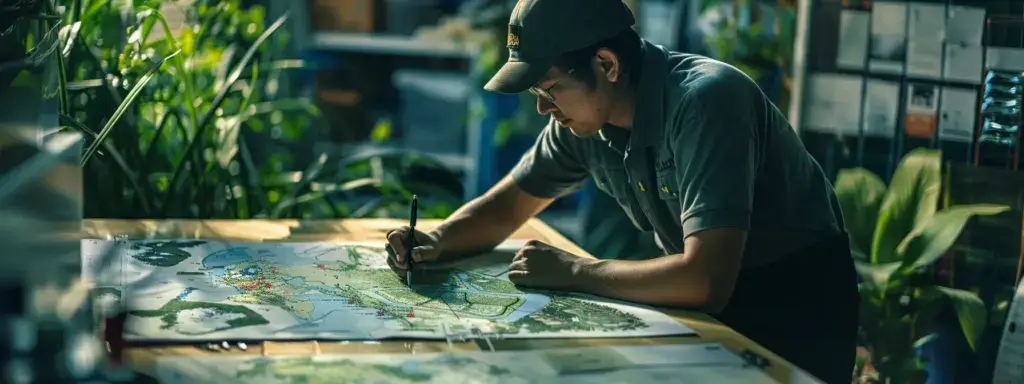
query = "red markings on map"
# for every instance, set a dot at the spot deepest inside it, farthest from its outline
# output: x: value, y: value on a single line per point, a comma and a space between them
x: 380, y: 313
x: 275, y: 269
x: 285, y: 292
x: 267, y: 285
x: 409, y: 315
x: 248, y: 288
x: 321, y: 266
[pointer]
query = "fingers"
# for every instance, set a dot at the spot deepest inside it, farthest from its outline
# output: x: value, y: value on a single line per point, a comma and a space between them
x: 517, y: 265
x: 531, y: 247
x: 396, y: 239
x: 517, y: 277
x: 393, y: 262
x: 424, y: 253
x: 521, y: 253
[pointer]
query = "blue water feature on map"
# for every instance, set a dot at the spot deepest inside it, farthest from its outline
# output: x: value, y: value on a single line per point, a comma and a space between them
x: 533, y: 302
x: 250, y: 271
x: 221, y: 259
x: 181, y: 296
x: 324, y: 304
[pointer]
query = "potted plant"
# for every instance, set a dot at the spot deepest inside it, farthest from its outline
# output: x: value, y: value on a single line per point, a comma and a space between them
x: 896, y: 234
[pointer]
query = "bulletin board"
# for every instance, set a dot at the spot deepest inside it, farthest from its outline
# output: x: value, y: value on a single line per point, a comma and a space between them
x: 881, y: 78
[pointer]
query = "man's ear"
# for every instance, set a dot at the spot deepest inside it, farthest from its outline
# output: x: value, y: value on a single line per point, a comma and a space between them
x: 608, y: 64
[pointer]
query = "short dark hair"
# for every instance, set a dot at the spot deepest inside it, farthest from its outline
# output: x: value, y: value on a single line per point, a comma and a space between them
x: 626, y: 45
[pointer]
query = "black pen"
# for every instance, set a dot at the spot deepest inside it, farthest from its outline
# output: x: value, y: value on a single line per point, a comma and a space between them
x: 410, y: 241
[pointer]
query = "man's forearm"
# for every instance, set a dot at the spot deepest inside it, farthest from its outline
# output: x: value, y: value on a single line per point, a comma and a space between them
x: 664, y: 281
x: 486, y: 221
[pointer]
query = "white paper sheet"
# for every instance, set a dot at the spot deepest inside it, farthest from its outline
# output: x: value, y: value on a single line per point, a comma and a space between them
x: 833, y: 103
x: 1007, y: 59
x: 963, y: 63
x: 888, y: 37
x: 214, y: 290
x: 924, y: 43
x: 681, y: 363
x: 924, y: 59
x: 956, y: 116
x: 965, y: 25
x: 927, y: 22
x: 881, y: 108
x: 854, y: 32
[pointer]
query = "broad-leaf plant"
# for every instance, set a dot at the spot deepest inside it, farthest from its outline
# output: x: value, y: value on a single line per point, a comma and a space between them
x: 897, y: 234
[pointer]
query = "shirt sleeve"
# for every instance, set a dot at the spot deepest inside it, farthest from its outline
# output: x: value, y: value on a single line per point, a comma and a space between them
x: 553, y: 166
x: 716, y: 153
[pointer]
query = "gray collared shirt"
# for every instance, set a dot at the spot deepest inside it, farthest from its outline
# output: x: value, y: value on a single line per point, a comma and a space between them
x: 707, y: 150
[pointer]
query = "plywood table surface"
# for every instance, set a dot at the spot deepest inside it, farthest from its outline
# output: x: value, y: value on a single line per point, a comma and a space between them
x: 143, y: 357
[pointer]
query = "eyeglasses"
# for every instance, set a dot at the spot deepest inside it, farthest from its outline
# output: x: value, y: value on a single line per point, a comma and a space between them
x: 546, y: 93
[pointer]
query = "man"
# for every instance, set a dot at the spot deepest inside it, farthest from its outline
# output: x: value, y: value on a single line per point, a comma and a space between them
x: 694, y: 152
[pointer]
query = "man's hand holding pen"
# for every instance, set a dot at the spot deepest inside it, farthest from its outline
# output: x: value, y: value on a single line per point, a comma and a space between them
x: 427, y: 248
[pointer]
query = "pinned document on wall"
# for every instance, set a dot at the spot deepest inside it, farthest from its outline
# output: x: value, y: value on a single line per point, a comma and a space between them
x: 1006, y: 59
x: 854, y: 31
x: 833, y: 103
x: 956, y: 115
x: 963, y: 63
x: 927, y: 25
x: 965, y: 25
x: 922, y: 108
x: 881, y: 108
x: 888, y: 37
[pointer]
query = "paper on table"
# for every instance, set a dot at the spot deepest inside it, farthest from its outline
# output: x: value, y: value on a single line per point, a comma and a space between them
x: 688, y: 363
x: 202, y: 290
x: 963, y: 63
x: 1007, y: 59
x: 888, y: 37
x: 965, y: 25
x: 924, y: 44
x: 854, y: 31
x: 956, y: 122
x: 881, y: 108
x: 834, y: 103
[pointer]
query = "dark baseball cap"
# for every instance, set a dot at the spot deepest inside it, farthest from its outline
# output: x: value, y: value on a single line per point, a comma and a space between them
x: 541, y: 30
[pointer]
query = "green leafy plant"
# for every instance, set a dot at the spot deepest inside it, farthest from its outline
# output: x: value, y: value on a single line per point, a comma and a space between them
x: 758, y: 47
x: 185, y: 116
x: 896, y: 235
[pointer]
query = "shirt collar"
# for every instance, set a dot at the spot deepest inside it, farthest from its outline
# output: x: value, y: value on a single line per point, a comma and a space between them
x: 648, y: 111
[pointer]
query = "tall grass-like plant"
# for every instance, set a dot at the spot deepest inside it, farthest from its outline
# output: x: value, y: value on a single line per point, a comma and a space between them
x: 187, y: 120
x: 897, y: 234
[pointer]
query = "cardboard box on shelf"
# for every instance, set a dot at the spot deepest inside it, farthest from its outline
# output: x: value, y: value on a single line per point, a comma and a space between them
x: 343, y: 15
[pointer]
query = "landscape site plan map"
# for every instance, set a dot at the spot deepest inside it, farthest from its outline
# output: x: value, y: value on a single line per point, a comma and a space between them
x: 193, y: 290
x: 680, y: 363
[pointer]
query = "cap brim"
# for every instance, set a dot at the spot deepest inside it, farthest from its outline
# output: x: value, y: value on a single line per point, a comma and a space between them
x: 517, y: 76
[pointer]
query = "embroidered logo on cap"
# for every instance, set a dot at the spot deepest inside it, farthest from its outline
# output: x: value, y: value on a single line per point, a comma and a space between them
x: 513, y: 36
